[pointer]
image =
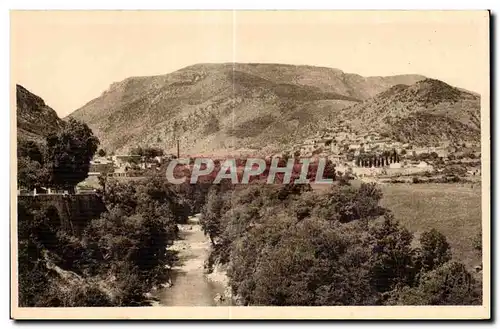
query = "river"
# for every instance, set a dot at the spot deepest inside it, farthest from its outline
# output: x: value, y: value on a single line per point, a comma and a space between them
x: 190, y: 286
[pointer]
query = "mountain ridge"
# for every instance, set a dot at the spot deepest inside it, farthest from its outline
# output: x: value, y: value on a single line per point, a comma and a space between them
x: 217, y: 106
x: 427, y: 112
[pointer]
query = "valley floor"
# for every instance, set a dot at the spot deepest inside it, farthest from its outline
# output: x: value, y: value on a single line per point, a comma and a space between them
x: 453, y: 209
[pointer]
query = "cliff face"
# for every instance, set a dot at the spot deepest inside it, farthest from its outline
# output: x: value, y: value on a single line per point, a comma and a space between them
x: 35, y: 119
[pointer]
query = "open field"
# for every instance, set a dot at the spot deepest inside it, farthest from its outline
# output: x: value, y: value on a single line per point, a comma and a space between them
x: 454, y: 210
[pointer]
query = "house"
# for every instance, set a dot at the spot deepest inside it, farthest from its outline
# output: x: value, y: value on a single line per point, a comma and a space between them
x: 421, y: 150
x: 99, y: 166
x: 335, y: 158
x: 121, y: 172
x: 322, y: 143
x: 306, y: 149
x: 122, y: 160
x: 326, y: 141
x: 441, y: 151
x: 424, y: 166
x: 334, y: 148
x: 153, y: 166
x: 341, y: 137
x: 159, y: 159
x: 474, y: 172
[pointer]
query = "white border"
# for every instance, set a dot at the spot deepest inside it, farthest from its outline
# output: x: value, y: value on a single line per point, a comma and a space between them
x: 149, y: 4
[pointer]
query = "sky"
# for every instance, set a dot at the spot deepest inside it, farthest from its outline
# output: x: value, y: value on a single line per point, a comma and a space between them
x: 69, y: 58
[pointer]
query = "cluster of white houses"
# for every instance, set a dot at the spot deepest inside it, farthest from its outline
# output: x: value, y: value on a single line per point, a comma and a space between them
x: 370, y: 154
x: 124, y: 165
x: 341, y: 143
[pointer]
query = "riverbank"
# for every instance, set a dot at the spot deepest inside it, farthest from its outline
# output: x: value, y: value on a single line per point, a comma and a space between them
x: 190, y: 286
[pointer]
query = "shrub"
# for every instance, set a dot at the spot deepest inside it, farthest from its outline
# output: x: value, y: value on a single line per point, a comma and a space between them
x: 449, y: 284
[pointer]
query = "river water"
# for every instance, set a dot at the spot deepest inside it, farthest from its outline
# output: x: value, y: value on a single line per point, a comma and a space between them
x: 190, y: 285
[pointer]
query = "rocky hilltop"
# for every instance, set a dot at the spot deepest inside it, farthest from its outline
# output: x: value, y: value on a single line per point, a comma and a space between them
x: 425, y: 113
x: 35, y: 119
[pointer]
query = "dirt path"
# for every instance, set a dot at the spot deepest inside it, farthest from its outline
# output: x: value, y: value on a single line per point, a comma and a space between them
x: 190, y: 285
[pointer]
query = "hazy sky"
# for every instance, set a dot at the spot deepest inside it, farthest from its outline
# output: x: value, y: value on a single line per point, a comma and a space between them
x: 69, y: 58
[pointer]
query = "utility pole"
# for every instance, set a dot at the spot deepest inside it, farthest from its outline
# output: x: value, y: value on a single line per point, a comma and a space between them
x: 176, y: 138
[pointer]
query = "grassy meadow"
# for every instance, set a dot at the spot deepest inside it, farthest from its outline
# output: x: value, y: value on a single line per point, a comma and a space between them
x: 454, y: 210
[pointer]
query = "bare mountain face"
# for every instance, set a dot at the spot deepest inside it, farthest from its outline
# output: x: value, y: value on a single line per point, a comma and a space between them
x: 214, y: 108
x: 425, y: 113
x: 35, y: 120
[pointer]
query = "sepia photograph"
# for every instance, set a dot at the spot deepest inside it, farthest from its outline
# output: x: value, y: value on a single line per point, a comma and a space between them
x: 250, y: 164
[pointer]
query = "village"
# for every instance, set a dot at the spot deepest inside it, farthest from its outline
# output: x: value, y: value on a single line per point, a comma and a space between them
x: 375, y: 156
x: 123, y: 166
x: 369, y: 156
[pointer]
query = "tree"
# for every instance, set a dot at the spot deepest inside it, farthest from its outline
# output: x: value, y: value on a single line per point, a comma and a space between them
x: 103, y: 178
x: 348, y: 203
x: 151, y: 152
x: 30, y: 149
x: 434, y: 250
x: 212, y: 212
x: 137, y: 151
x: 33, y: 276
x: 69, y: 152
x: 31, y: 174
x: 101, y: 153
x: 392, y: 261
x: 285, y: 157
x: 148, y: 152
x: 449, y: 284
x: 31, y: 170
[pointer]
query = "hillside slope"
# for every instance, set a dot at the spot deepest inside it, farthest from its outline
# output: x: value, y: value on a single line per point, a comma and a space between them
x: 226, y: 107
x: 35, y: 119
x: 427, y: 112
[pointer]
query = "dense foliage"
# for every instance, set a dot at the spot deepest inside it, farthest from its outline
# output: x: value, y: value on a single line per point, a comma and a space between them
x: 118, y: 258
x: 69, y: 152
x: 288, y: 245
x: 31, y: 170
x: 147, y: 152
x: 62, y: 161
